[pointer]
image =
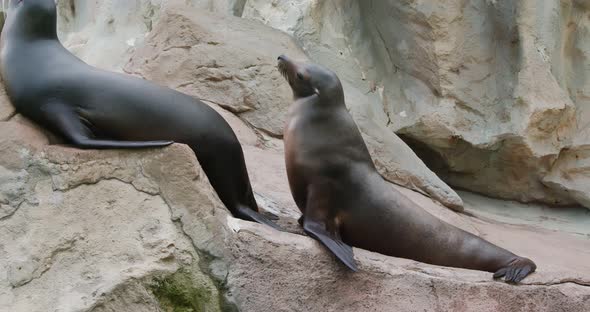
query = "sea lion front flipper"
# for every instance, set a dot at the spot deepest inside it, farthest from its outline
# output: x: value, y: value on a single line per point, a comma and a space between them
x: 64, y: 120
x: 341, y: 250
x: 247, y: 213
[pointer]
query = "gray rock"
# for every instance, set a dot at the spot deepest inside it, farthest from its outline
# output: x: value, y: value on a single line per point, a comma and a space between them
x: 216, y: 59
x: 132, y: 230
x: 118, y: 230
x: 488, y: 93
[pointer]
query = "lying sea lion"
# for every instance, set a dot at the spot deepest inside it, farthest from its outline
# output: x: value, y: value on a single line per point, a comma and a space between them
x: 96, y: 109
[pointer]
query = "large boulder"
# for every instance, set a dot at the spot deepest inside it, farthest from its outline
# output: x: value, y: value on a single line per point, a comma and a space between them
x: 261, y: 101
x: 7, y: 111
x: 488, y: 93
x: 144, y: 231
x: 105, y: 32
x: 216, y: 59
x: 82, y: 228
x: 119, y: 230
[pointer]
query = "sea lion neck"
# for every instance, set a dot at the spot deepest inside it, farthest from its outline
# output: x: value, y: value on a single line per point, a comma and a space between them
x: 22, y: 26
x: 320, y: 102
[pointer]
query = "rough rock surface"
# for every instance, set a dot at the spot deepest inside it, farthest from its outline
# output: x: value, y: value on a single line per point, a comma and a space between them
x: 81, y: 227
x: 216, y: 59
x: 144, y: 231
x: 6, y: 110
x: 105, y: 32
x: 129, y: 231
x: 492, y: 95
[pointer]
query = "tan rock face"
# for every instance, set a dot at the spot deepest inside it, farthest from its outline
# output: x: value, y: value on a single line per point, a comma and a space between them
x: 112, y: 231
x: 487, y: 93
x: 6, y: 109
x: 79, y: 227
x: 309, y: 282
x: 214, y: 58
x: 144, y: 231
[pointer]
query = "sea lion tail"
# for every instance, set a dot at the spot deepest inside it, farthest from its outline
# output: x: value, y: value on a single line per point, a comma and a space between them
x: 247, y: 213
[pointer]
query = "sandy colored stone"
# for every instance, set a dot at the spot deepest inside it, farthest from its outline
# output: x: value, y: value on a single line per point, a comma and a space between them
x: 7, y: 111
x: 487, y: 93
x: 214, y: 58
x: 83, y: 224
x: 308, y: 281
x: 96, y: 228
x: 98, y: 231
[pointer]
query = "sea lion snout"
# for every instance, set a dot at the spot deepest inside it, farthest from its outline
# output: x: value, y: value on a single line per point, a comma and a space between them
x: 299, y: 76
x: 283, y: 62
x: 285, y: 66
x: 286, y: 63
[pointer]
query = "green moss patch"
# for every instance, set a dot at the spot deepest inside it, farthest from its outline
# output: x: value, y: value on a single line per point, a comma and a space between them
x: 180, y: 292
x: 191, y: 289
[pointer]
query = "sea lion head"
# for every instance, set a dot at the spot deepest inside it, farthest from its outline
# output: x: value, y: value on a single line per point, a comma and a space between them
x: 311, y: 80
x: 32, y: 18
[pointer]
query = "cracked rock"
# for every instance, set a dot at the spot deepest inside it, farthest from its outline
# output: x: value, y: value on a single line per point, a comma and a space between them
x: 139, y: 231
x: 492, y: 95
x: 239, y: 73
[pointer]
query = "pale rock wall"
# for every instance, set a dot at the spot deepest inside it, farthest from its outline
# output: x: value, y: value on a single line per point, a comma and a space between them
x: 143, y: 231
x: 89, y: 230
x: 330, y: 32
x: 109, y: 36
x: 488, y: 93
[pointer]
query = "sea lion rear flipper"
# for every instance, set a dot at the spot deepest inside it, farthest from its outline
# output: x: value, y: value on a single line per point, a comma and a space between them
x: 340, y: 249
x: 516, y: 270
x: 248, y: 214
x: 63, y: 119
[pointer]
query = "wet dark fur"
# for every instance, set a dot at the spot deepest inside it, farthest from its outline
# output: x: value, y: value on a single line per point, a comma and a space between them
x: 92, y: 108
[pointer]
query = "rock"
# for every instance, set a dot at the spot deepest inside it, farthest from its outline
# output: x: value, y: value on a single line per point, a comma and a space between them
x: 143, y: 230
x: 85, y: 226
x: 120, y: 230
x: 299, y: 277
x: 6, y: 109
x: 569, y: 174
x: 232, y: 7
x: 487, y: 93
x: 256, y: 91
x: 216, y: 59
x: 104, y: 33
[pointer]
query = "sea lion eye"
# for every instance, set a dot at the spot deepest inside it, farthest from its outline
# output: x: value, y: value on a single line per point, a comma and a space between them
x: 300, y: 76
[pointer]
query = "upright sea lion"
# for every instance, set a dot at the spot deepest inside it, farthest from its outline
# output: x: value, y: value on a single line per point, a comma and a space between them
x: 96, y: 109
x: 344, y: 200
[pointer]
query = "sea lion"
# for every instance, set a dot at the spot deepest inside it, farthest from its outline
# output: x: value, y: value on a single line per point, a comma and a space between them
x: 345, y: 202
x: 96, y: 109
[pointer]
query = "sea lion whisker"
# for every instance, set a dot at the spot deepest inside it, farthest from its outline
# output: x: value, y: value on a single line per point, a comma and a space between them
x: 283, y: 70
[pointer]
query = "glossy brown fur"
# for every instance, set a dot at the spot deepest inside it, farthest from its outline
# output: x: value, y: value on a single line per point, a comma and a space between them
x: 335, y: 184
